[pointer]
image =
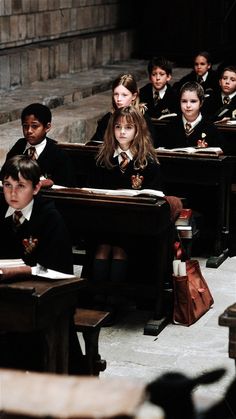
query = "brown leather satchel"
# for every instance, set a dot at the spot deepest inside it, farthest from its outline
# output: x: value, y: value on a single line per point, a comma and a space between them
x: 192, y: 297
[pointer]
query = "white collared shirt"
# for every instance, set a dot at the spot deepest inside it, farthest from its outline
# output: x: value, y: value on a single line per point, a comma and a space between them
x: 230, y: 96
x: 193, y: 123
x: 161, y: 92
x: 205, y: 76
x: 117, y: 152
x: 38, y: 147
x: 26, y: 212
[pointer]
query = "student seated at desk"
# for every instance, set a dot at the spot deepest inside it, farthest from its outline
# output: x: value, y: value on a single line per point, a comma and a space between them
x: 158, y: 95
x: 202, y: 73
x: 125, y: 92
x: 191, y: 128
x: 221, y: 106
x: 54, y: 163
x: 31, y: 227
x: 126, y: 159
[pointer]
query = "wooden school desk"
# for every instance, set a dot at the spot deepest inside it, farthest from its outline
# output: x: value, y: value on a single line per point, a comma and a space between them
x: 44, y: 306
x: 182, y: 169
x: 56, y: 396
x: 228, y: 133
x: 146, y: 220
x: 214, y: 172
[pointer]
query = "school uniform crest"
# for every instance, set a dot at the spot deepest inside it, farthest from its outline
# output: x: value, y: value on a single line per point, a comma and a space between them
x: 137, y: 181
x: 30, y: 245
x: 202, y: 142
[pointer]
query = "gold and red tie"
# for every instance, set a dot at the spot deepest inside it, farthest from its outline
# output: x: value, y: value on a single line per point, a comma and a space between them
x: 124, y: 162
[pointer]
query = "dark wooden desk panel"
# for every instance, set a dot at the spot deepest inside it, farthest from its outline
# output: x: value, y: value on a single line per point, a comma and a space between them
x: 224, y: 127
x: 145, y: 220
x: 214, y: 173
x: 82, y: 157
x: 42, y: 306
x: 228, y: 133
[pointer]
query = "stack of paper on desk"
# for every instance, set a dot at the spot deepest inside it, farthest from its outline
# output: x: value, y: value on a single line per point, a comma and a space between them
x: 49, y: 273
x: 9, y: 263
x: 125, y: 192
x: 191, y: 150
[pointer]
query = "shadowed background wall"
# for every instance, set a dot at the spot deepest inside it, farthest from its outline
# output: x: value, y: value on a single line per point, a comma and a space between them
x: 42, y: 39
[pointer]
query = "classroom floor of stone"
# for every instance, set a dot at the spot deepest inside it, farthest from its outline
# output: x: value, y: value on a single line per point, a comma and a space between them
x: 191, y: 350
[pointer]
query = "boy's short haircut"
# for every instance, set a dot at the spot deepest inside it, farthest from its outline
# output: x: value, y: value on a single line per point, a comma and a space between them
x: 204, y: 54
x: 41, y: 112
x: 161, y: 62
x: 193, y: 86
x: 228, y: 68
x: 21, y: 165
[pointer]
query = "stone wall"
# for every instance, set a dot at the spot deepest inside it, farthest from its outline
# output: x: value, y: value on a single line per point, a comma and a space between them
x: 42, y: 39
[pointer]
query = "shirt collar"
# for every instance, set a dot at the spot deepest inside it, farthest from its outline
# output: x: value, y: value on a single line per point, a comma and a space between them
x: 39, y: 147
x: 230, y: 96
x: 205, y: 76
x: 25, y: 211
x: 118, y: 150
x: 193, y: 123
x: 161, y: 92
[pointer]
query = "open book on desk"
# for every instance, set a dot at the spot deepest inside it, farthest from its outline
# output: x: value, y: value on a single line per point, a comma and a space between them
x: 164, y: 117
x: 125, y: 192
x: 192, y: 150
x: 11, y: 263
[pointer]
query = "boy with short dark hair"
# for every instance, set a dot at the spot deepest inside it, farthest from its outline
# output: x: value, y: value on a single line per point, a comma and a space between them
x: 158, y: 95
x: 31, y: 227
x: 221, y: 106
x: 54, y: 163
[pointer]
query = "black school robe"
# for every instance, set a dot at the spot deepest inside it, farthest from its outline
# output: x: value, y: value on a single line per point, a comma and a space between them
x: 168, y: 104
x: 115, y: 179
x: 175, y: 134
x: 53, y: 161
x: 210, y: 85
x: 53, y: 249
x: 215, y: 110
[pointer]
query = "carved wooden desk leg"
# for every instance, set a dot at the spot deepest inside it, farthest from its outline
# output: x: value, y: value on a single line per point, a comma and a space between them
x: 228, y: 318
x: 89, y: 323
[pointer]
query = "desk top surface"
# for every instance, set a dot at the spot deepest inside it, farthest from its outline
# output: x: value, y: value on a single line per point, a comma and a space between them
x: 51, y: 395
x: 39, y: 287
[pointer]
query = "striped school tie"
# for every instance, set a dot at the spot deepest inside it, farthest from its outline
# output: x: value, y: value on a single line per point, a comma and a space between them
x: 188, y: 128
x: 32, y: 153
x: 16, y: 218
x: 226, y: 100
x: 156, y: 98
x: 124, y: 162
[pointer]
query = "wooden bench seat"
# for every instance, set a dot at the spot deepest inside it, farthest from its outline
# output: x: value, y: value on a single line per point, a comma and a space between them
x: 89, y: 323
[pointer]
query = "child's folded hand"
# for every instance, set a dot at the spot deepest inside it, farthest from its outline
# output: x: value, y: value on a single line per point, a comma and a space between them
x: 46, y: 183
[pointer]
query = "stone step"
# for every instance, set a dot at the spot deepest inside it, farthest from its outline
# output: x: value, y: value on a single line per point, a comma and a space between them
x: 67, y: 88
x: 77, y: 101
